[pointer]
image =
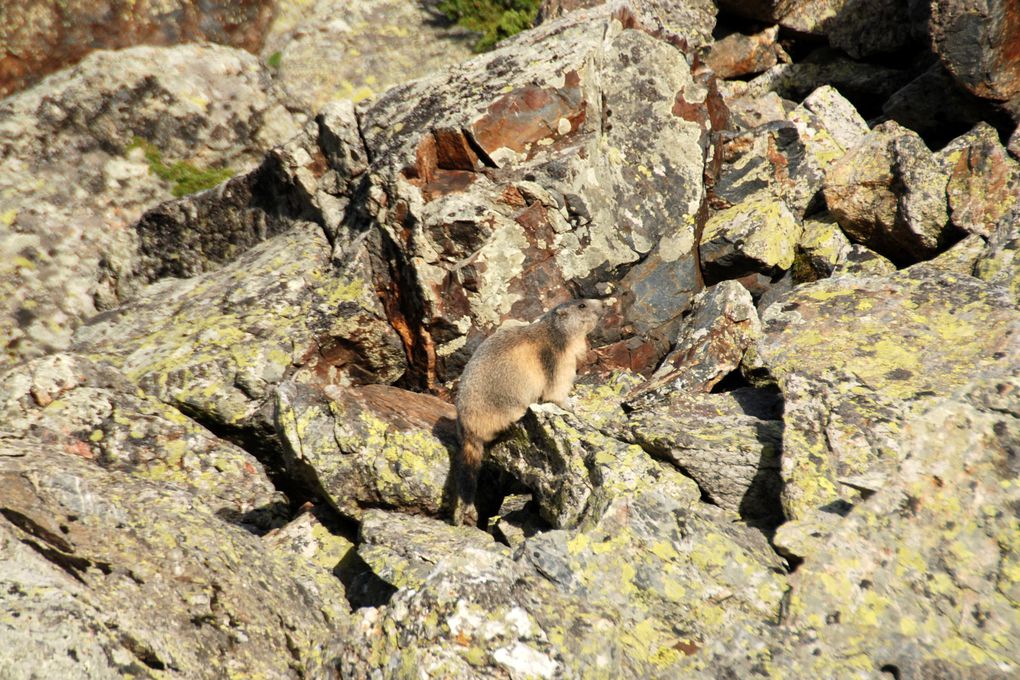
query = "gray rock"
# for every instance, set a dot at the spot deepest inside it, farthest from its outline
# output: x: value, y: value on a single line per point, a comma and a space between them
x: 999, y: 264
x: 984, y: 182
x: 861, y: 261
x: 70, y: 186
x: 821, y: 247
x: 977, y: 43
x: 857, y: 358
x: 105, y: 573
x: 691, y: 22
x: 756, y: 235
x: 369, y: 446
x: 889, y: 194
x: 729, y: 443
x: 86, y: 409
x: 216, y: 345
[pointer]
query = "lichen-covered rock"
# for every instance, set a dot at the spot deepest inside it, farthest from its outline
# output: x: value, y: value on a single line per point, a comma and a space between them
x: 70, y: 404
x: 866, y: 28
x: 691, y: 21
x: 889, y: 194
x: 923, y: 577
x: 861, y: 261
x: 568, y: 153
x: 755, y: 235
x: 1000, y: 261
x: 821, y: 247
x: 41, y: 37
x: 976, y: 42
x: 216, y: 345
x: 106, y: 574
x: 857, y: 358
x: 369, y: 446
x: 729, y: 443
x: 575, y: 471
x: 403, y: 550
x: 71, y: 184
x: 984, y: 182
x: 355, y: 49
x: 710, y: 344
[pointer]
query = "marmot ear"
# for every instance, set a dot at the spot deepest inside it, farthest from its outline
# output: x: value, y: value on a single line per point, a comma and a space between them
x: 560, y: 311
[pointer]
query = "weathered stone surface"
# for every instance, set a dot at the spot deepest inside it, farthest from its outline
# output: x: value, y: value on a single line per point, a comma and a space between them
x: 999, y: 263
x: 729, y: 443
x: 564, y: 155
x: 355, y: 49
x: 70, y: 404
x: 984, y: 182
x: 216, y: 345
x: 977, y: 43
x: 860, y: 261
x: 692, y: 21
x: 821, y: 247
x: 38, y: 38
x: 369, y: 446
x: 403, y: 550
x: 70, y: 187
x: 856, y: 358
x: 756, y: 235
x: 924, y: 573
x: 574, y: 470
x: 711, y: 342
x: 859, y: 81
x: 789, y: 159
x: 865, y: 28
x: 742, y: 55
x: 889, y: 193
x: 105, y: 574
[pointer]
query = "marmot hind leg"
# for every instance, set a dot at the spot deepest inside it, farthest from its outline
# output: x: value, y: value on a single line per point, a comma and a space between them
x: 469, y: 463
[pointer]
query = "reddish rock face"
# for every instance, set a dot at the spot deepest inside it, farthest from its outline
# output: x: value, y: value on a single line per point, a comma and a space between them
x: 538, y: 173
x: 40, y: 38
x: 979, y: 43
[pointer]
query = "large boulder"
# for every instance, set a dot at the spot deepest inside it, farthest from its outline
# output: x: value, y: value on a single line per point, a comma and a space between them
x: 976, y: 42
x: 857, y: 358
x: 515, y: 180
x: 106, y: 574
x: 217, y: 345
x: 73, y: 182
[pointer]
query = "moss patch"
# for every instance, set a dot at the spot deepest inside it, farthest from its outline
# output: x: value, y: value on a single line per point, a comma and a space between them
x: 494, y: 19
x: 185, y: 177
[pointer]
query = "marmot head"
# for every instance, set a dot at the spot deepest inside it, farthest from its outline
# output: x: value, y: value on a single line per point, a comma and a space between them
x: 578, y: 317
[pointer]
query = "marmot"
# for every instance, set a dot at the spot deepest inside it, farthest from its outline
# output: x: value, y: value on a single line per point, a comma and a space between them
x: 510, y: 370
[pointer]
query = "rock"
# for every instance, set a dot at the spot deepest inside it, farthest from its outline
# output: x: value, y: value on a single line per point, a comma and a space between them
x: 821, y: 247
x: 218, y: 344
x: 789, y: 159
x: 105, y: 573
x: 742, y: 55
x: 498, y: 183
x: 977, y: 44
x: 43, y: 37
x: 866, y: 28
x: 984, y: 182
x: 748, y: 112
x: 338, y: 49
x: 710, y: 345
x: 860, y: 82
x: 369, y: 446
x: 889, y: 194
x: 857, y: 358
x: 729, y: 443
x: 938, y: 108
x: 86, y: 409
x: 310, y: 178
x: 756, y: 235
x: 518, y: 520
x: 575, y: 471
x: 999, y: 264
x: 66, y: 246
x: 404, y: 550
x: 923, y: 574
x: 691, y: 21
x: 860, y: 261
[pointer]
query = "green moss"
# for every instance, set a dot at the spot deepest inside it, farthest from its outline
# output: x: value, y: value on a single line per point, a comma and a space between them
x: 274, y: 60
x: 185, y: 177
x: 494, y: 19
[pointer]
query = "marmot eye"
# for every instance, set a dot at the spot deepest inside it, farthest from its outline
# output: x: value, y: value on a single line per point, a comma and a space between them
x: 582, y: 306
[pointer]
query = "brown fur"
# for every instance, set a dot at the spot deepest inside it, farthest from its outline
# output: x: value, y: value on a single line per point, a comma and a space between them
x: 510, y: 370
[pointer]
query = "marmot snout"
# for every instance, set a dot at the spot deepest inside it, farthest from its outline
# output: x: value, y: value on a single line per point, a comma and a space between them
x: 510, y: 370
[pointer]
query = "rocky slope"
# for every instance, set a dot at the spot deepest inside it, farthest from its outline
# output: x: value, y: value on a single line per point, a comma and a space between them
x: 225, y: 424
